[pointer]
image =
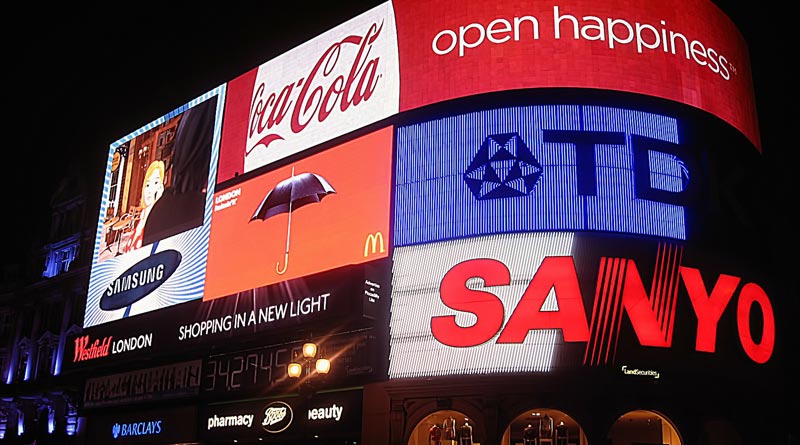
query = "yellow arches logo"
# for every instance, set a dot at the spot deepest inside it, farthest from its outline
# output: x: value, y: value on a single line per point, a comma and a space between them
x: 374, y: 242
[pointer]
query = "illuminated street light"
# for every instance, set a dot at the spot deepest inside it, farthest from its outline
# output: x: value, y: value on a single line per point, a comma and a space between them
x: 303, y: 365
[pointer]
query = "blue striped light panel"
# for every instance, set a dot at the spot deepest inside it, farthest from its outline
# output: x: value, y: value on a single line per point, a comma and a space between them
x: 538, y: 168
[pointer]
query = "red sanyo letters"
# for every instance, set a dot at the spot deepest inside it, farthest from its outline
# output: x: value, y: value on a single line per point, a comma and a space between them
x: 560, y: 274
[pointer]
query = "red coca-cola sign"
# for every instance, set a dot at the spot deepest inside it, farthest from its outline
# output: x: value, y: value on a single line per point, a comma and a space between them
x: 338, y: 82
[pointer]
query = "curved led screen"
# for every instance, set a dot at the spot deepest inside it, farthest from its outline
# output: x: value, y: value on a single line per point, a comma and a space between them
x: 398, y: 57
x: 539, y: 238
x: 689, y: 52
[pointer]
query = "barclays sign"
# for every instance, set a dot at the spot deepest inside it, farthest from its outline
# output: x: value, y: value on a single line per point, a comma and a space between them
x: 150, y: 428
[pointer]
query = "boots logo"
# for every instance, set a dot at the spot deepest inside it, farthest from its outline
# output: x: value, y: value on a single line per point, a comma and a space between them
x: 277, y: 417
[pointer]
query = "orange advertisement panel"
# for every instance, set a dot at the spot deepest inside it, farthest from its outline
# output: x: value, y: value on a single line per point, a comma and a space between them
x: 319, y: 213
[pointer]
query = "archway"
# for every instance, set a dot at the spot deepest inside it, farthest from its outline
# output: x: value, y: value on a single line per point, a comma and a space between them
x: 449, y: 423
x: 546, y: 424
x: 720, y: 432
x: 643, y: 427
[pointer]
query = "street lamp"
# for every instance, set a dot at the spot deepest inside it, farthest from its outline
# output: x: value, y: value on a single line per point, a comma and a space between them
x: 304, y: 365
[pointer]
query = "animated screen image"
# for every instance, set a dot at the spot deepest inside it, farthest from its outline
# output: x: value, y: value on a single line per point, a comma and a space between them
x: 150, y: 249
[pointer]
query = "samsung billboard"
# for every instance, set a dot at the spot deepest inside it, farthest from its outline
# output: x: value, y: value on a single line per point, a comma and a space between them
x: 155, y: 214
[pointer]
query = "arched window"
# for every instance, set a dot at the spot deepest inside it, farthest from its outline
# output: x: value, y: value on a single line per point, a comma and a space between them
x: 544, y: 426
x: 643, y: 427
x: 445, y: 424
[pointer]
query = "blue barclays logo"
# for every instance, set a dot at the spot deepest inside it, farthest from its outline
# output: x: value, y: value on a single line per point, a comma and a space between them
x: 136, y: 429
x: 541, y: 168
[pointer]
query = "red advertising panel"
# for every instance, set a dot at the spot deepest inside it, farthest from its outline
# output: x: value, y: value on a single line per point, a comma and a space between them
x: 689, y: 52
x: 322, y: 212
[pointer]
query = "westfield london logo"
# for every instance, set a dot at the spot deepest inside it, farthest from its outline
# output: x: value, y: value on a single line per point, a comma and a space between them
x: 85, y: 351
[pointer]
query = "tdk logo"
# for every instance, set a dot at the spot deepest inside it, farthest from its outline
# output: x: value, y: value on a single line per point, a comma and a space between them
x: 503, y: 167
x: 542, y: 168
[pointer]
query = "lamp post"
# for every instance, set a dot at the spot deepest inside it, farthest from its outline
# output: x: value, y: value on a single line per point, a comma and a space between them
x: 308, y: 364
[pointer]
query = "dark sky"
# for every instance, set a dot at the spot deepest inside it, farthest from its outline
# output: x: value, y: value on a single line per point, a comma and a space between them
x: 82, y: 76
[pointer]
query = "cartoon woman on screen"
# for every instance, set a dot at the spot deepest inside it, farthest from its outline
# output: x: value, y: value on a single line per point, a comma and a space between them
x: 152, y: 189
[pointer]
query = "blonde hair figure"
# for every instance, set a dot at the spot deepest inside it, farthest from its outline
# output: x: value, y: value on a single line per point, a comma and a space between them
x: 152, y: 189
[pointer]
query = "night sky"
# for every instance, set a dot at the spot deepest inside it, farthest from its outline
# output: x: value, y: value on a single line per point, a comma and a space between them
x: 80, y: 77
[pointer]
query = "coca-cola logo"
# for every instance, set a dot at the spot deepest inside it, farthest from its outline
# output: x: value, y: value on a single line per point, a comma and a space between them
x: 324, y: 90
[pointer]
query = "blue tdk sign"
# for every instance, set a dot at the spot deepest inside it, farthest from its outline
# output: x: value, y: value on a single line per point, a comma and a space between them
x: 540, y: 168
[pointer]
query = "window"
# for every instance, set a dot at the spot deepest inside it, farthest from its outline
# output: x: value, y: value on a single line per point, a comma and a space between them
x: 6, y: 327
x: 44, y: 357
x: 24, y: 349
x: 4, y: 361
x: 60, y: 258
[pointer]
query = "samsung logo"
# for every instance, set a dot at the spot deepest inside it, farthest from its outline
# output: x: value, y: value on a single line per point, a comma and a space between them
x: 140, y: 280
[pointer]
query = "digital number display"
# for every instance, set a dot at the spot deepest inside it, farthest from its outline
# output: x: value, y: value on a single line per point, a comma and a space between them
x: 246, y: 370
x: 264, y: 370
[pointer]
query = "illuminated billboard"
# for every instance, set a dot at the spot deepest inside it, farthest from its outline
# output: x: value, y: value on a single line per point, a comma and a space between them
x: 331, y: 415
x: 542, y: 167
x: 144, y: 427
x: 340, y: 300
x: 544, y: 302
x: 155, y: 214
x: 689, y: 52
x: 340, y: 81
x: 319, y: 213
x: 422, y: 324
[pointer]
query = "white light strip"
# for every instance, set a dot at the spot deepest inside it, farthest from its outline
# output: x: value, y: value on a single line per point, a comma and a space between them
x: 416, y: 277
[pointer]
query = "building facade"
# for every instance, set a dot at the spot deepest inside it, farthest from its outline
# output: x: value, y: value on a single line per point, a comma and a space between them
x: 504, y: 224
